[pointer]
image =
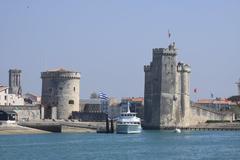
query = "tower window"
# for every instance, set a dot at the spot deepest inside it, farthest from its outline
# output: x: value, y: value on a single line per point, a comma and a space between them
x: 71, y: 102
x: 74, y: 89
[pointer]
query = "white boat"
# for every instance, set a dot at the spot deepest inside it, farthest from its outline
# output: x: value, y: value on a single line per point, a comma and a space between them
x: 178, y: 130
x: 128, y: 122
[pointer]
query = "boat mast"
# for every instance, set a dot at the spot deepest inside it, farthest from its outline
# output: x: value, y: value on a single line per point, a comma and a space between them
x: 128, y: 107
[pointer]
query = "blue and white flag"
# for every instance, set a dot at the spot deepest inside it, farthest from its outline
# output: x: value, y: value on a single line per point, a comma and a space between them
x: 211, y: 95
x: 103, y: 96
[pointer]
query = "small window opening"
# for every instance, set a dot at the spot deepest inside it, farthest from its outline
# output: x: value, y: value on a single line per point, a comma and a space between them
x: 71, y: 102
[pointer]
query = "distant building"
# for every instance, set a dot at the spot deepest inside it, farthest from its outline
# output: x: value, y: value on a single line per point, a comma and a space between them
x: 15, y: 81
x: 136, y: 105
x: 90, y: 110
x: 136, y: 100
x: 3, y: 95
x: 31, y: 98
x: 60, y: 93
x: 93, y: 109
x: 12, y: 95
x: 90, y: 105
x: 114, y: 108
x: 218, y: 104
x: 7, y: 99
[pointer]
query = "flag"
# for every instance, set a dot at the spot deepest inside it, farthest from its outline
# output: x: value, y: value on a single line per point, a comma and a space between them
x: 211, y: 95
x: 195, y: 90
x: 169, y: 34
x: 102, y: 96
x: 104, y: 102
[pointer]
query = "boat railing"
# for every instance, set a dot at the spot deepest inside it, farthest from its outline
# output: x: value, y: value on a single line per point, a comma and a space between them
x: 128, y: 114
x: 128, y: 122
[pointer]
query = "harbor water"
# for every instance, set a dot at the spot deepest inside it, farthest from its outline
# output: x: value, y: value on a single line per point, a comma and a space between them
x: 149, y: 145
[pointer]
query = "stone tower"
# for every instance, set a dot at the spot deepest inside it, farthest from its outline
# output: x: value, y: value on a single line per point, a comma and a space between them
x: 160, y: 88
x: 183, y: 100
x: 60, y: 93
x: 15, y: 81
x: 166, y: 92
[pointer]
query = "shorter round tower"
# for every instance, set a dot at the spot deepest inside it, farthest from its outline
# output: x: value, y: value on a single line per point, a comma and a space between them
x: 185, y: 71
x: 60, y: 93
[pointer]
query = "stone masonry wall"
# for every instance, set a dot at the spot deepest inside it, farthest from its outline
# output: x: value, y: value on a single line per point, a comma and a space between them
x: 199, y: 115
x: 25, y: 112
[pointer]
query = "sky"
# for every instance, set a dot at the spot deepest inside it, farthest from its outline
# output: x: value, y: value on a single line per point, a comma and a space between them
x: 110, y: 41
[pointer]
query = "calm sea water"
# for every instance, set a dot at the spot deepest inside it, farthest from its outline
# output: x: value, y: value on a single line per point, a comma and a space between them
x: 149, y: 145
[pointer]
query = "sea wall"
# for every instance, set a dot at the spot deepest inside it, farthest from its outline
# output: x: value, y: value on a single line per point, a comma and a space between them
x: 25, y: 113
x: 199, y: 115
x: 89, y: 117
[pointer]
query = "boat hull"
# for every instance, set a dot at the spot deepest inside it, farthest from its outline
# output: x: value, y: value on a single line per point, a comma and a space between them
x: 128, y: 128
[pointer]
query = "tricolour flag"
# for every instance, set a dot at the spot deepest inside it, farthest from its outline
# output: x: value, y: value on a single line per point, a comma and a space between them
x: 211, y: 95
x: 169, y: 34
x: 195, y: 90
x: 102, y: 96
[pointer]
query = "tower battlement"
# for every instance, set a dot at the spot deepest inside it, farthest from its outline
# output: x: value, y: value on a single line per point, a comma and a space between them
x: 60, y: 93
x: 147, y: 68
x: 182, y: 67
x: 61, y: 75
x: 171, y: 50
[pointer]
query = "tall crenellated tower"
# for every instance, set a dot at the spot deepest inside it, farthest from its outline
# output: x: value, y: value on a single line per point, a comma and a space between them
x: 15, y: 81
x: 160, y: 88
x: 166, y: 90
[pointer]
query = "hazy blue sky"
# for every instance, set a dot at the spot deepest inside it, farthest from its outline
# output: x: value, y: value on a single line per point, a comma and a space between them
x: 109, y: 42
